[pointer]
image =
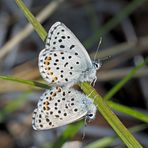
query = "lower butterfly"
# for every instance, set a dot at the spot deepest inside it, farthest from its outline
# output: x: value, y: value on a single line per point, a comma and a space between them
x: 60, y: 106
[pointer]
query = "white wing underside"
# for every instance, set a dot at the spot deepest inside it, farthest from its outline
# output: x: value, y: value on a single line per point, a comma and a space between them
x: 59, y: 35
x: 55, y: 123
x: 60, y: 67
x: 54, y: 111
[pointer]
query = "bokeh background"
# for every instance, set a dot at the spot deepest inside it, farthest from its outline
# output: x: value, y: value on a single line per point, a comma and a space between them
x: 125, y: 39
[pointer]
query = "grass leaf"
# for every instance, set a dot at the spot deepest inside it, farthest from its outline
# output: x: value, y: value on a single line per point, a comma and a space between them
x: 123, y: 81
x: 128, y: 111
x: 37, y: 26
x: 102, y: 143
x: 28, y: 82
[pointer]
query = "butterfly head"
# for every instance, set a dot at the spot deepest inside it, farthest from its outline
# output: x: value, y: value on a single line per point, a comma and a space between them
x: 91, y: 110
x: 96, y: 65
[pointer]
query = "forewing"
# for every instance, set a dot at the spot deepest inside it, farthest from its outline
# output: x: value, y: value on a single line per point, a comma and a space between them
x: 61, y: 38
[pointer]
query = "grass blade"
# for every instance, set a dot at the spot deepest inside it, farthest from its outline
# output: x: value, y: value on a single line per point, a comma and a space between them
x: 37, y: 26
x: 28, y: 82
x: 128, y: 111
x: 123, y: 81
x: 103, y: 142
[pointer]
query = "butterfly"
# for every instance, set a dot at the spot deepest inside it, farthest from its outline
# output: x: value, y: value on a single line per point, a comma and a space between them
x: 64, y: 61
x: 60, y: 106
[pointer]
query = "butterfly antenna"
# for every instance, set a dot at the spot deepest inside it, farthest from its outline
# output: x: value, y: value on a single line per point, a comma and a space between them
x: 104, y: 60
x: 98, y: 47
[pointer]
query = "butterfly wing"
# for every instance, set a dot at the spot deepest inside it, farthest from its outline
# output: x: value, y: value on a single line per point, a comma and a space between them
x: 58, y: 107
x: 61, y: 38
x: 60, y: 67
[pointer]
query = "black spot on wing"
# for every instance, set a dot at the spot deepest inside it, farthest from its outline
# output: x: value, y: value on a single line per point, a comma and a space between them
x: 62, y: 46
x: 72, y: 46
x: 65, y: 64
x: 60, y: 40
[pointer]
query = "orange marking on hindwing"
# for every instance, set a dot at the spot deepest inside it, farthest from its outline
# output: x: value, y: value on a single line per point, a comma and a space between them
x: 46, y: 107
x: 47, y: 63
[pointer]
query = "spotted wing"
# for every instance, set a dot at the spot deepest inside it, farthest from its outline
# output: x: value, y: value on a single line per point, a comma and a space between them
x: 61, y: 38
x: 58, y: 107
x: 60, y: 67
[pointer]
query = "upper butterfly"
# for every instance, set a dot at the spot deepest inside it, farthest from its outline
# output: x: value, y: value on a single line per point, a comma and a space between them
x: 65, y: 61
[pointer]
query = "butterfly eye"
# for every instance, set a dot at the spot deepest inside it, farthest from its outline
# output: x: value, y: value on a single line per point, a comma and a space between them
x: 96, y: 65
x: 90, y: 116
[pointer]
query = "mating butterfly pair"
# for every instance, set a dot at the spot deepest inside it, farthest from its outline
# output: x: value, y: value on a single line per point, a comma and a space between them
x: 63, y: 63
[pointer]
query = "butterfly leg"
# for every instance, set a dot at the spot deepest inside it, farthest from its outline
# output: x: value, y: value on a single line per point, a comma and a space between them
x: 83, y: 131
x: 94, y: 81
